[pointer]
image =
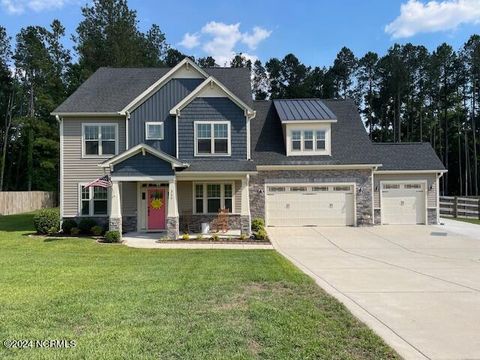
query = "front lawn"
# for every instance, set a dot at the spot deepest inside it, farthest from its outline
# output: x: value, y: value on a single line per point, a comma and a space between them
x: 471, y: 221
x: 118, y: 302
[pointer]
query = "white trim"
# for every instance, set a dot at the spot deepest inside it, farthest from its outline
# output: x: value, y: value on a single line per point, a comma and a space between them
x: 87, y: 114
x: 212, y: 124
x: 249, y: 156
x: 309, y: 121
x: 209, y: 175
x: 142, y: 148
x: 425, y: 191
x: 176, y: 136
x: 142, y: 178
x: 160, y: 82
x: 210, y: 81
x: 314, y: 167
x: 380, y: 172
x: 127, y: 122
x: 154, y: 123
x: 61, y: 167
x: 373, y: 199
x: 79, y: 202
x: 352, y: 184
x: 100, y: 155
x: 205, y: 197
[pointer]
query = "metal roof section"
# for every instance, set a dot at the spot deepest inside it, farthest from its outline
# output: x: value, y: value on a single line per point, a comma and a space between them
x: 291, y: 110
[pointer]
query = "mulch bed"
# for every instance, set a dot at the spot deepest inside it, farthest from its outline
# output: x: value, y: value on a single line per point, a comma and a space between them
x: 243, y: 242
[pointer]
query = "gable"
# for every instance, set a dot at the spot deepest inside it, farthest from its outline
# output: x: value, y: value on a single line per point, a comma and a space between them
x: 143, y: 165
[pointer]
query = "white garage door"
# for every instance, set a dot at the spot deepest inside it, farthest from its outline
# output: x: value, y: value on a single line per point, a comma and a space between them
x: 302, y: 205
x: 403, y: 203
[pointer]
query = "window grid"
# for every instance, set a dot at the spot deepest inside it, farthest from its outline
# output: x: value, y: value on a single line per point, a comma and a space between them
x: 99, y: 140
x: 308, y: 140
x: 210, y: 198
x: 212, y: 138
x: 93, y: 201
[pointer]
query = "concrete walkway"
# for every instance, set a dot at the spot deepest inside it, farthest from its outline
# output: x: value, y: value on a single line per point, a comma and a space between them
x: 416, y: 286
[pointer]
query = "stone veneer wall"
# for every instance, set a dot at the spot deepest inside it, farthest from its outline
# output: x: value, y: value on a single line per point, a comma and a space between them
x: 362, y: 179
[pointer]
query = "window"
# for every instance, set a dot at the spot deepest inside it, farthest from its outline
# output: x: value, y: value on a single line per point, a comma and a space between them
x: 94, y: 201
x: 212, y: 138
x: 412, y: 186
x: 320, y: 140
x: 99, y: 140
x: 154, y: 130
x: 391, y: 186
x: 342, y: 188
x: 210, y: 198
x: 319, y: 188
x: 298, y: 188
x: 276, y: 188
x: 296, y: 140
x: 308, y: 140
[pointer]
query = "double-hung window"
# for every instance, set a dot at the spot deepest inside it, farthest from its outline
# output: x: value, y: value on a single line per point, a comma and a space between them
x: 296, y: 140
x: 154, y: 130
x: 210, y: 198
x: 212, y: 138
x: 94, y: 201
x: 320, y: 140
x: 100, y: 140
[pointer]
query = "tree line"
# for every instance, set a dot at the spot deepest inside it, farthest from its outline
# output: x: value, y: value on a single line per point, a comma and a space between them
x: 410, y: 94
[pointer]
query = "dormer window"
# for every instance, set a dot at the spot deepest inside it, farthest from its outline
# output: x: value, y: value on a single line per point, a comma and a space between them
x: 308, y: 139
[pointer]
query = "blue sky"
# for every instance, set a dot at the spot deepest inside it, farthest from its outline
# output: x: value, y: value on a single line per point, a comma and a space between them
x: 313, y: 30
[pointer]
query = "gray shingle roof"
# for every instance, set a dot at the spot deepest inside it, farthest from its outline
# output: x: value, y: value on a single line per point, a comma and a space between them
x: 111, y: 89
x: 350, y: 142
x: 407, y: 156
x: 303, y: 109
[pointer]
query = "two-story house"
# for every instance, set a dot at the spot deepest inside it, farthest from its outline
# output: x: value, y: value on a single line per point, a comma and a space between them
x: 181, y: 143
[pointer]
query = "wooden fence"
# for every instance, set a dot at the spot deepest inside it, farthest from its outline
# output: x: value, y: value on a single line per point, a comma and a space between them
x: 16, y: 202
x: 455, y: 206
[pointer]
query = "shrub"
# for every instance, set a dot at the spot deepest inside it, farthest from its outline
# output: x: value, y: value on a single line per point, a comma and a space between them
x: 86, y: 225
x: 74, y: 231
x: 200, y: 236
x: 67, y: 225
x: 243, y: 237
x: 257, y: 224
x: 261, y: 234
x: 215, y: 237
x: 96, y: 230
x: 186, y: 237
x: 112, y: 236
x: 47, y: 221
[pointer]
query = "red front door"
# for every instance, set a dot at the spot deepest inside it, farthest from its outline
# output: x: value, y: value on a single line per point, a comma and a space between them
x: 156, y: 209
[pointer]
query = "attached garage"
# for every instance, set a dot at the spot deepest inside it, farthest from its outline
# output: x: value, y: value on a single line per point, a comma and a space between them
x: 310, y: 205
x: 403, y: 203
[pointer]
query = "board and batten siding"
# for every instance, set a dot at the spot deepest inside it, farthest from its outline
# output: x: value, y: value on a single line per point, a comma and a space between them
x: 157, y: 109
x: 185, y: 195
x: 212, y: 109
x: 76, y: 169
x: 431, y: 183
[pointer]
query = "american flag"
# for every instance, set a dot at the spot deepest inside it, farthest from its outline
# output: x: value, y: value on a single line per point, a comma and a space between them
x: 103, y: 182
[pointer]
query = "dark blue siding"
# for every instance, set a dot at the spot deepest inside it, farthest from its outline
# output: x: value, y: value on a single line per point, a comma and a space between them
x: 139, y: 165
x: 212, y: 108
x: 157, y: 108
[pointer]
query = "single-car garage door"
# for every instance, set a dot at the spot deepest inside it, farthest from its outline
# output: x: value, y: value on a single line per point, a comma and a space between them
x: 403, y: 203
x: 303, y: 205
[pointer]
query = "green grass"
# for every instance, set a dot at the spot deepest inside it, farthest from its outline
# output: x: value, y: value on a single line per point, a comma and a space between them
x: 471, y: 221
x: 123, y: 303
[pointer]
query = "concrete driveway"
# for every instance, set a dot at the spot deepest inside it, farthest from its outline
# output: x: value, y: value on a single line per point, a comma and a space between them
x: 416, y: 286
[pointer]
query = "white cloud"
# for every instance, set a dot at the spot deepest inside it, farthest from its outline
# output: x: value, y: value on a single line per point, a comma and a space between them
x: 258, y: 35
x: 417, y: 17
x: 190, y: 41
x: 221, y: 40
x: 16, y: 7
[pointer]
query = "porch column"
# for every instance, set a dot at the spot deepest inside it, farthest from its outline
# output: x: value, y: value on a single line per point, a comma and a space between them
x: 245, y: 217
x: 173, y: 220
x: 115, y: 221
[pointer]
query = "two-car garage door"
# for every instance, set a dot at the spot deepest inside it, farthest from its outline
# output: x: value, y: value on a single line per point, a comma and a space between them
x: 310, y: 204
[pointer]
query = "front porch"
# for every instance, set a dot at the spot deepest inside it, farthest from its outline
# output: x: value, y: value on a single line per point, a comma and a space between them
x: 168, y: 207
